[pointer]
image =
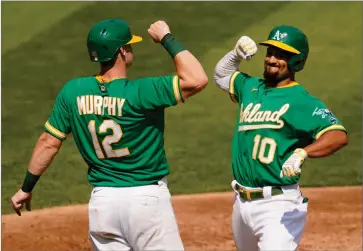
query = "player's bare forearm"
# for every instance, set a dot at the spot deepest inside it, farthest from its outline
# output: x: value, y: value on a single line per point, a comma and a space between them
x: 193, y: 78
x: 327, y: 144
x: 44, y: 152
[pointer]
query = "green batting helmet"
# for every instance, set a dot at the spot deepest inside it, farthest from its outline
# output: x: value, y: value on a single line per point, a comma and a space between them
x: 106, y: 37
x: 291, y: 39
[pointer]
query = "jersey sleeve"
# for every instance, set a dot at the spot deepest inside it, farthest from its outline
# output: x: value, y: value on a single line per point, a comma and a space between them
x: 58, y: 123
x: 318, y: 119
x: 236, y: 85
x: 160, y: 92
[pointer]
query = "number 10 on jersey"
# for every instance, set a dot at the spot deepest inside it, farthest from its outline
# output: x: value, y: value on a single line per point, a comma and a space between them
x: 259, y: 149
x: 107, y: 142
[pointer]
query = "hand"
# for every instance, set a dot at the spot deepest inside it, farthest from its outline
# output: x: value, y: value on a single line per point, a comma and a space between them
x: 291, y: 167
x: 19, y: 199
x: 158, y: 30
x: 245, y: 48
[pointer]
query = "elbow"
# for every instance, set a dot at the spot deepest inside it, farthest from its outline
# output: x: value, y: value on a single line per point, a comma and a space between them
x: 200, y: 83
x: 193, y: 85
x: 341, y: 138
x: 340, y: 141
x: 344, y: 140
x: 50, y: 143
x: 203, y: 82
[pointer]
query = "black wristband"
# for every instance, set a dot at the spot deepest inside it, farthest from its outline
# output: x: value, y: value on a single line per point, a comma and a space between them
x: 29, y: 182
x: 171, y: 45
x: 165, y: 37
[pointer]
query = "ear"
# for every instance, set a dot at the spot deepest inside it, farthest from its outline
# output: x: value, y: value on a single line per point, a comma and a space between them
x: 123, y: 51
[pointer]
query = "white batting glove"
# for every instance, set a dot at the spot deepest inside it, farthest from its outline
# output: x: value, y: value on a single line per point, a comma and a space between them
x: 245, y: 48
x: 292, y: 165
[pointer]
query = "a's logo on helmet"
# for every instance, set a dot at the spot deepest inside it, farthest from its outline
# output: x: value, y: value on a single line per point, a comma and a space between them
x: 278, y: 35
x: 94, y: 54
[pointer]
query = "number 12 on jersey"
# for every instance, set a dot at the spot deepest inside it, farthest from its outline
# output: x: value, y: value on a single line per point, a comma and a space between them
x: 262, y: 145
x: 107, y: 142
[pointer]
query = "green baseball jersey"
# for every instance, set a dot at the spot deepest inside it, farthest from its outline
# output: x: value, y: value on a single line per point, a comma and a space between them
x: 271, y: 124
x: 118, y: 126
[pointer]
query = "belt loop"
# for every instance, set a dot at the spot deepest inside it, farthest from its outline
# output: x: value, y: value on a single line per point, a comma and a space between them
x: 163, y: 181
x: 267, y: 192
x: 233, y: 185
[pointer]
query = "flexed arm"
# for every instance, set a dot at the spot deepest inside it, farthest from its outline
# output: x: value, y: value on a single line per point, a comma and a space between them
x: 193, y: 78
x: 245, y: 48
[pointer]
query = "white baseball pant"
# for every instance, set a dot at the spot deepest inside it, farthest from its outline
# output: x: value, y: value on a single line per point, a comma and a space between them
x: 269, y: 224
x: 133, y: 218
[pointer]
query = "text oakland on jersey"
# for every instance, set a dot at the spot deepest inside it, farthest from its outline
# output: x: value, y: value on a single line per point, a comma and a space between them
x: 254, y: 114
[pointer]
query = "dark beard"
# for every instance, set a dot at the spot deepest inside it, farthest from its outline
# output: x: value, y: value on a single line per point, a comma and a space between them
x: 272, y: 79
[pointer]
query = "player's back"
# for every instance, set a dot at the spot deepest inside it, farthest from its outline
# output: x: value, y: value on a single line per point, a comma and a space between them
x: 118, y: 126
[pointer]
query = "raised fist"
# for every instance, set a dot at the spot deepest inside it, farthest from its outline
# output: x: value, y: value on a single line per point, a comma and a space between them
x: 158, y: 30
x: 245, y: 48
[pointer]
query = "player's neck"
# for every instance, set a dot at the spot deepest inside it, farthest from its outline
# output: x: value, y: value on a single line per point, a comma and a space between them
x: 282, y: 83
x: 109, y: 73
x: 285, y: 82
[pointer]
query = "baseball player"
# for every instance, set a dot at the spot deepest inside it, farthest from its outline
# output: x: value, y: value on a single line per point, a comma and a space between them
x: 279, y: 126
x: 118, y: 126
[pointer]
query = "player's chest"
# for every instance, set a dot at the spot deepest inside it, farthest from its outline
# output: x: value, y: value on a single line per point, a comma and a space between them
x: 264, y: 111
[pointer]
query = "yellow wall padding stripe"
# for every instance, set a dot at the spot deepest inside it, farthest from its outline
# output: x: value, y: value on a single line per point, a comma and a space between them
x: 330, y: 128
x: 55, y: 131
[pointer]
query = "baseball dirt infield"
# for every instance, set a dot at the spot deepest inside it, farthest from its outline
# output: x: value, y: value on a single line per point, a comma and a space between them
x: 334, y: 223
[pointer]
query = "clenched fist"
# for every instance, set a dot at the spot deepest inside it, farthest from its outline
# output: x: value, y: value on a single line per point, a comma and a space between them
x: 19, y: 199
x: 292, y: 165
x: 158, y: 30
x: 245, y: 48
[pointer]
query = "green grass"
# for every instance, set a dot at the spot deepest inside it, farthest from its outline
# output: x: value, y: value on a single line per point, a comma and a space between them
x: 21, y: 21
x: 198, y: 133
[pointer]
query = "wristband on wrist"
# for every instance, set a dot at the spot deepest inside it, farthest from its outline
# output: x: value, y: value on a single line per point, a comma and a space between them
x: 171, y: 45
x: 29, y: 182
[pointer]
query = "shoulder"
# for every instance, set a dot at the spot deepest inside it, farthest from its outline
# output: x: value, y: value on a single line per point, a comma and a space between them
x: 153, y: 82
x: 238, y: 75
x: 306, y: 98
x: 139, y: 81
x: 248, y: 80
x: 306, y: 103
x: 73, y: 86
x: 153, y: 79
x: 78, y: 82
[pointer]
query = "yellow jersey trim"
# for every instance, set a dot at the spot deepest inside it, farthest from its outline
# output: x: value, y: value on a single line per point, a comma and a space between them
x: 289, y: 85
x: 177, y: 92
x: 330, y: 128
x: 99, y: 79
x: 54, y: 131
x: 231, y: 87
x: 102, y: 81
